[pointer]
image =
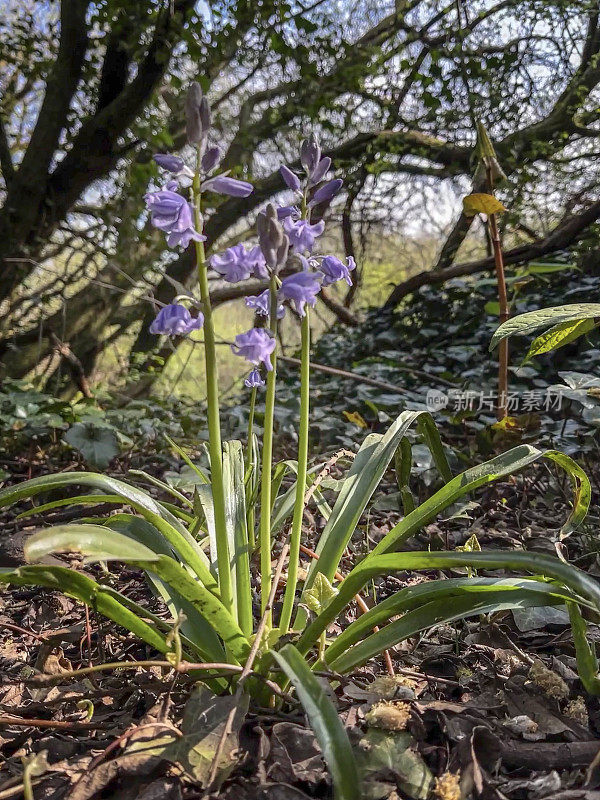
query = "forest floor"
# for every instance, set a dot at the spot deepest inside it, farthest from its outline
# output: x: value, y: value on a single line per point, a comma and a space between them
x: 489, y: 708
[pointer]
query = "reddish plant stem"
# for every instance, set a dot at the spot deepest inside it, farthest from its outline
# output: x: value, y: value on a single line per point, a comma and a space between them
x: 502, y: 407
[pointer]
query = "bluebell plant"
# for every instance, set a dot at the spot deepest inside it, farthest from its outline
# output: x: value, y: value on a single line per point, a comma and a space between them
x: 285, y: 258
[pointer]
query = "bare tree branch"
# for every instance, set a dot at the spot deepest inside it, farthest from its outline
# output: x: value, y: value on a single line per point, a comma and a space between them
x: 564, y: 235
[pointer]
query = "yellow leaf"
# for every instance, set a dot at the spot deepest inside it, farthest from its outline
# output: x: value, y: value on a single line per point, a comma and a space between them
x: 507, y: 424
x: 355, y: 417
x: 482, y: 204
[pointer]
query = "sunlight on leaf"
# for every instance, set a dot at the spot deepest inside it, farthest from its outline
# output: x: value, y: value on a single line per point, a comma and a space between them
x: 320, y: 594
x: 480, y: 203
x: 355, y: 418
x: 559, y: 336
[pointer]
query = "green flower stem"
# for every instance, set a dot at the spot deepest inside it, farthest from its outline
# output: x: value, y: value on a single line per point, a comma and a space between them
x: 267, y: 456
x: 295, y: 536
x: 249, y: 476
x: 214, y: 424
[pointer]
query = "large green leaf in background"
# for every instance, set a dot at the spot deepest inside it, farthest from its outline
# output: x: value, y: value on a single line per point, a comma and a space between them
x: 97, y: 444
x: 544, y: 318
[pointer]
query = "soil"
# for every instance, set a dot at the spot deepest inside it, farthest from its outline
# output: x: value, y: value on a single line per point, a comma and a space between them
x: 487, y: 708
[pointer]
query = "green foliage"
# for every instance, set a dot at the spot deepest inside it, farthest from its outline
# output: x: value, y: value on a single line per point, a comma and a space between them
x: 97, y: 445
x: 415, y: 348
x: 545, y: 317
x: 165, y: 547
x: 324, y: 721
x: 559, y: 335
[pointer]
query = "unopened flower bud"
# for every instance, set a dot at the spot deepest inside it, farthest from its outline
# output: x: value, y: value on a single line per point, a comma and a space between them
x: 320, y: 170
x: 210, y: 159
x: 205, y: 116
x: 283, y: 250
x: 171, y: 163
x: 286, y: 211
x: 193, y: 121
x: 290, y: 178
x: 310, y: 153
x: 327, y: 192
x: 271, y: 237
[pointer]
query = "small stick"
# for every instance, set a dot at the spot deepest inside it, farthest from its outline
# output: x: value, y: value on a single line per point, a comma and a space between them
x: 5, y: 719
x: 388, y: 387
x: 325, y: 472
x: 182, y: 667
x: 17, y: 787
x: 39, y: 636
x: 88, y: 634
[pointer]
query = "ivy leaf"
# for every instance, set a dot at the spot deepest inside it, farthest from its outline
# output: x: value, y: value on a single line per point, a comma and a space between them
x: 98, y: 445
x: 204, y: 721
x: 320, y: 594
x: 480, y: 203
x: 383, y: 754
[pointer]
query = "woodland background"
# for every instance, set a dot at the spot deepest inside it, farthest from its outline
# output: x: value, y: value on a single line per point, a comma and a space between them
x: 89, y: 91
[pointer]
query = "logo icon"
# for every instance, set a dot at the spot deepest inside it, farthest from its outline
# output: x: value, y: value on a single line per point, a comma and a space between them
x: 436, y: 400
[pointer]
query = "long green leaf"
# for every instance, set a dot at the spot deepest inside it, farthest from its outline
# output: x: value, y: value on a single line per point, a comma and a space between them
x: 237, y: 531
x: 195, y: 627
x: 402, y: 466
x: 587, y: 661
x: 171, y: 528
x: 505, y: 464
x: 109, y: 603
x: 80, y: 500
x: 93, y: 500
x: 195, y: 642
x: 284, y: 504
x: 377, y: 565
x: 434, y: 613
x: 194, y: 467
x: 325, y: 723
x: 543, y: 318
x: 85, y: 589
x: 140, y: 473
x: 205, y: 602
x: 96, y: 542
x: 364, y: 475
x: 429, y: 430
x: 450, y: 590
